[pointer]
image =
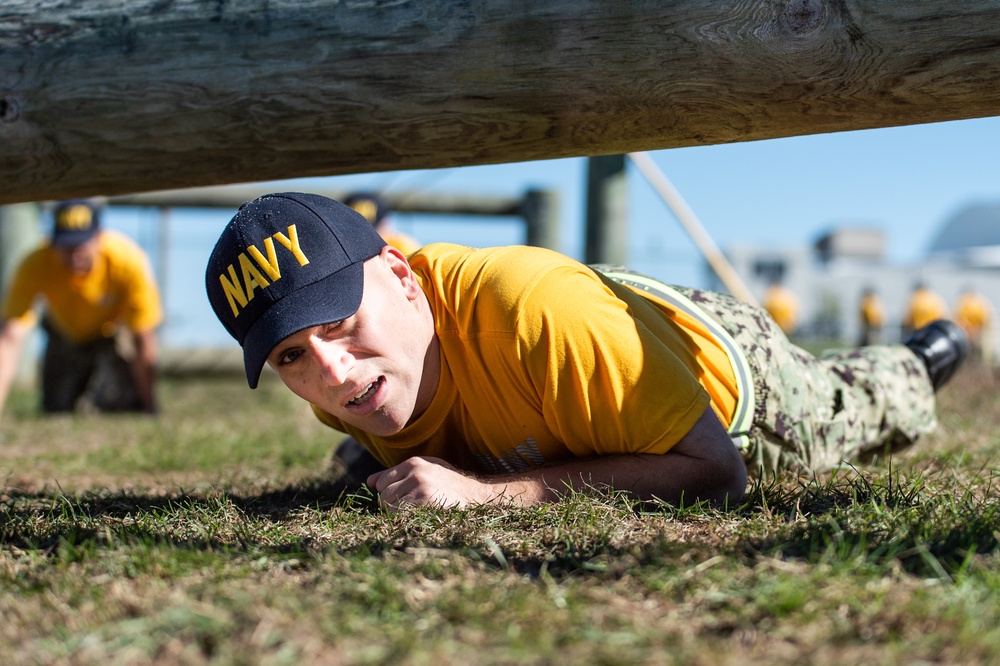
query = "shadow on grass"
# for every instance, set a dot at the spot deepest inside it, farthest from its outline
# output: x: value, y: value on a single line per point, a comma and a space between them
x: 572, y: 538
x: 274, y: 504
x: 878, y: 522
x: 52, y: 522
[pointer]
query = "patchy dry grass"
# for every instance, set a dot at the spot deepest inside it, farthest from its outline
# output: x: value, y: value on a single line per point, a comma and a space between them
x: 212, y: 534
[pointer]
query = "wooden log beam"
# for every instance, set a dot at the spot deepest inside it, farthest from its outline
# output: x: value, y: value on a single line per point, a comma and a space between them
x: 539, y: 209
x: 101, y: 97
x: 231, y: 197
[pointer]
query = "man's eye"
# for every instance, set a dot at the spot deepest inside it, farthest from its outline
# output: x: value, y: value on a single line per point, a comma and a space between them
x: 289, y: 356
x: 333, y: 327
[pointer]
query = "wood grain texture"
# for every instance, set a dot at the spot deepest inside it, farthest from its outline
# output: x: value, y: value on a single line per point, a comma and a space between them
x: 100, y: 97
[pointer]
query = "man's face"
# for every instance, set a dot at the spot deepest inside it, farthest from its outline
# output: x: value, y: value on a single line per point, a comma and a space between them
x: 376, y: 370
x: 79, y: 258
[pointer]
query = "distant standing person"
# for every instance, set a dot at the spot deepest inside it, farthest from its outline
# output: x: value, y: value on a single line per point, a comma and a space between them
x: 783, y: 307
x: 872, y: 317
x: 924, y: 306
x: 374, y: 209
x: 100, y: 308
x: 974, y: 313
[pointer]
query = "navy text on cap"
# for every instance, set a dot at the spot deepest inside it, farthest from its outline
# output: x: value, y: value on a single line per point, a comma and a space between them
x: 286, y: 262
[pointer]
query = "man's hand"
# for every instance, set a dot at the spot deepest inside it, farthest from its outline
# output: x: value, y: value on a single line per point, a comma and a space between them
x: 426, y: 480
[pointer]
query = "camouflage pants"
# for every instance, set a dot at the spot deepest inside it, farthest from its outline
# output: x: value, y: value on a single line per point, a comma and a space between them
x: 812, y: 414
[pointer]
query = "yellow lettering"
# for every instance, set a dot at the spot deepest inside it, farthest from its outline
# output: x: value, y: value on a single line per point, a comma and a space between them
x: 270, y: 264
x: 291, y: 241
x: 252, y: 277
x: 233, y: 290
x: 75, y: 217
x: 240, y: 292
x: 367, y: 209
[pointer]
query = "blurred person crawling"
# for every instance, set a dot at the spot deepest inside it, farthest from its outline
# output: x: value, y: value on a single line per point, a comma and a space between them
x: 100, y: 308
x: 516, y: 374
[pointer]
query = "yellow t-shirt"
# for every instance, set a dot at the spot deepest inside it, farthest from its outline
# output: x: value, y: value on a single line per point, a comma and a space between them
x: 783, y: 307
x: 405, y: 244
x: 872, y: 311
x: 543, y: 360
x: 118, y: 291
x: 973, y: 313
x: 924, y: 307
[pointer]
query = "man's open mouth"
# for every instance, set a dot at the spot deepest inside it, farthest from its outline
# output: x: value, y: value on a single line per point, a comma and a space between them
x: 365, y: 395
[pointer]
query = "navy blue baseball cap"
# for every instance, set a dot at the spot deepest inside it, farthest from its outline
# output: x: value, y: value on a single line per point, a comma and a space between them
x: 74, y: 222
x: 285, y: 262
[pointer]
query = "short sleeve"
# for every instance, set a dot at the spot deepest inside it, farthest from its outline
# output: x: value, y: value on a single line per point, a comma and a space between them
x: 610, y: 382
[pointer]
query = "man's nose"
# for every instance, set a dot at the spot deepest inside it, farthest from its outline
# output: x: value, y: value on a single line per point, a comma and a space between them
x: 335, y: 362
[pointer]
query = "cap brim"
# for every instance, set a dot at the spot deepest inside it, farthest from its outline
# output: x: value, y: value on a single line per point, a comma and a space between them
x: 72, y: 238
x: 334, y: 297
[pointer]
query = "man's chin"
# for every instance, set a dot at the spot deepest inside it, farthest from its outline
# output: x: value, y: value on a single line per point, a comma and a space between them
x: 377, y: 427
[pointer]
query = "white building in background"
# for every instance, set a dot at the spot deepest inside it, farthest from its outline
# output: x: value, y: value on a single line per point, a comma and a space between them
x: 829, y: 277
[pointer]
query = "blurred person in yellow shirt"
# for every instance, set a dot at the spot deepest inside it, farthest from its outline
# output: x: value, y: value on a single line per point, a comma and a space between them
x: 872, y: 317
x: 100, y: 308
x: 974, y: 313
x: 924, y: 306
x: 783, y: 307
x: 374, y: 209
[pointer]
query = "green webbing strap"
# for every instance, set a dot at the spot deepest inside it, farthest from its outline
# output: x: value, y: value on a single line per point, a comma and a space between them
x: 743, y: 417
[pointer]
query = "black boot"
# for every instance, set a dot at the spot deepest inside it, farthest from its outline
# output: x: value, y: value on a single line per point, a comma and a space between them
x: 942, y: 345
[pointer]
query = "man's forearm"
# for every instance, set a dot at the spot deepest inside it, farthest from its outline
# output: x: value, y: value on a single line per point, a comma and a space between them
x: 669, y: 477
x: 144, y: 369
x: 12, y: 334
x: 703, y: 465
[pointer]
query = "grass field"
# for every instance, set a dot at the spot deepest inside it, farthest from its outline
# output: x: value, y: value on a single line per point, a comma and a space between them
x: 213, y: 534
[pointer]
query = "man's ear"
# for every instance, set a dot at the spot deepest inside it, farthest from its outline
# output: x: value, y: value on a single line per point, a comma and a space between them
x: 400, y: 267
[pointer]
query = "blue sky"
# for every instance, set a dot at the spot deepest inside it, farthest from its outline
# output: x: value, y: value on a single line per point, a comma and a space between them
x: 785, y: 192
x: 903, y: 180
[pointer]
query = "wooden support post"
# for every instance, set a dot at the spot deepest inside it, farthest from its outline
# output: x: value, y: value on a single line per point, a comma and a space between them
x: 541, y: 217
x: 20, y: 232
x: 607, y: 214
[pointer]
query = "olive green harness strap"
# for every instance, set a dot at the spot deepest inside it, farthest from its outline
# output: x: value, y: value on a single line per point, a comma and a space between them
x: 739, y: 428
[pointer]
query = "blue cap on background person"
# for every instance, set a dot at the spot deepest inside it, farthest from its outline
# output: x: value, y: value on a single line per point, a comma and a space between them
x: 74, y: 222
x: 370, y: 205
x: 286, y: 262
